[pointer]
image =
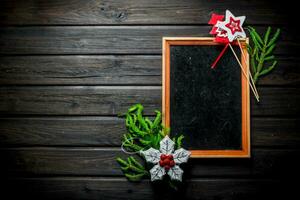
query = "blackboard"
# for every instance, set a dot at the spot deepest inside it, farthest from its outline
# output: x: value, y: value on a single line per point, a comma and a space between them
x: 210, y: 107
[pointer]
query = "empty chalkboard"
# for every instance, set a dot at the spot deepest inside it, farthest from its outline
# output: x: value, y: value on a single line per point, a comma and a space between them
x: 210, y: 107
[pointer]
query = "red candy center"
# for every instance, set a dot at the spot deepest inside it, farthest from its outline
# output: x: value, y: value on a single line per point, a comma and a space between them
x: 166, y: 161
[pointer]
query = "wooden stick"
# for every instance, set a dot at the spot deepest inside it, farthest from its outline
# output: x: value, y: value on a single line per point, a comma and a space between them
x: 236, y: 57
x: 244, y: 56
x: 245, y: 74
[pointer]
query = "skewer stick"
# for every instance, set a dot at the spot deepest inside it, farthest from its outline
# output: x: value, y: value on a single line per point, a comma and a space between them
x: 244, y: 56
x: 236, y: 57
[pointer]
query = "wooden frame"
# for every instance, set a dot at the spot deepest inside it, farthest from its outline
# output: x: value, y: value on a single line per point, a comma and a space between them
x: 245, y: 150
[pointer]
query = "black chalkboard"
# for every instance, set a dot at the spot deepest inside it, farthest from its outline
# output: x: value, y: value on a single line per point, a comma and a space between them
x: 205, y: 105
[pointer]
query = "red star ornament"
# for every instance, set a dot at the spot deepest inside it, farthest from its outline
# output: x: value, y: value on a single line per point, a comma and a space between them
x: 233, y: 26
x: 221, y: 34
x: 215, y: 18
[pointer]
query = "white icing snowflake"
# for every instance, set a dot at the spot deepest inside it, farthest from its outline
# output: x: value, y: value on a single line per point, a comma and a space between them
x: 166, y: 160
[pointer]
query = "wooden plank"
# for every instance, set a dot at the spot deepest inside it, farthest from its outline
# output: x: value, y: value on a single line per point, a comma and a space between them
x: 108, y: 39
x: 78, y: 100
x: 110, y: 70
x: 101, y: 162
x: 270, y: 132
x: 263, y: 163
x: 62, y: 131
x: 112, y: 100
x: 61, y: 161
x: 287, y: 72
x: 276, y: 101
x: 105, y: 188
x: 134, y: 11
x: 107, y: 131
x: 80, y: 70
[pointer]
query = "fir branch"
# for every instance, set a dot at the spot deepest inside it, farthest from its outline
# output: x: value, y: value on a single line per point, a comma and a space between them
x: 132, y: 169
x: 179, y: 141
x: 261, y: 52
x: 142, y: 133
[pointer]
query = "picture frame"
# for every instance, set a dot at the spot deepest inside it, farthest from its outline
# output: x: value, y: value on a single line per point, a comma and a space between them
x: 244, y: 102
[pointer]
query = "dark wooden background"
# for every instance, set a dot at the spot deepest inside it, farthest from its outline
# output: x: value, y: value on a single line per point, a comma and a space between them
x: 68, y: 67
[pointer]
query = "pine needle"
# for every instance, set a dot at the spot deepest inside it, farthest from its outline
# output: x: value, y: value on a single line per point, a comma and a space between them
x: 142, y: 133
x: 261, y: 53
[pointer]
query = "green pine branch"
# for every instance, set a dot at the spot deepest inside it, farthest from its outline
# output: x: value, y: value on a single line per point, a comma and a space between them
x: 262, y: 60
x: 142, y: 133
x: 132, y: 169
x: 178, y: 141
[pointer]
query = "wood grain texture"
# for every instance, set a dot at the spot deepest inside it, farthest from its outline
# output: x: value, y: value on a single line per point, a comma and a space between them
x: 78, y: 100
x: 286, y: 99
x: 134, y: 11
x: 113, y: 100
x: 263, y: 163
x: 80, y: 70
x: 107, y: 131
x: 272, y: 132
x: 62, y: 131
x: 97, y: 57
x: 105, y: 188
x: 287, y: 73
x: 94, y: 161
x: 110, y: 70
x: 108, y: 39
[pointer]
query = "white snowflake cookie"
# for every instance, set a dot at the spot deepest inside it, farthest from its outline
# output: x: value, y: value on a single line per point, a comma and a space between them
x: 166, y: 160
